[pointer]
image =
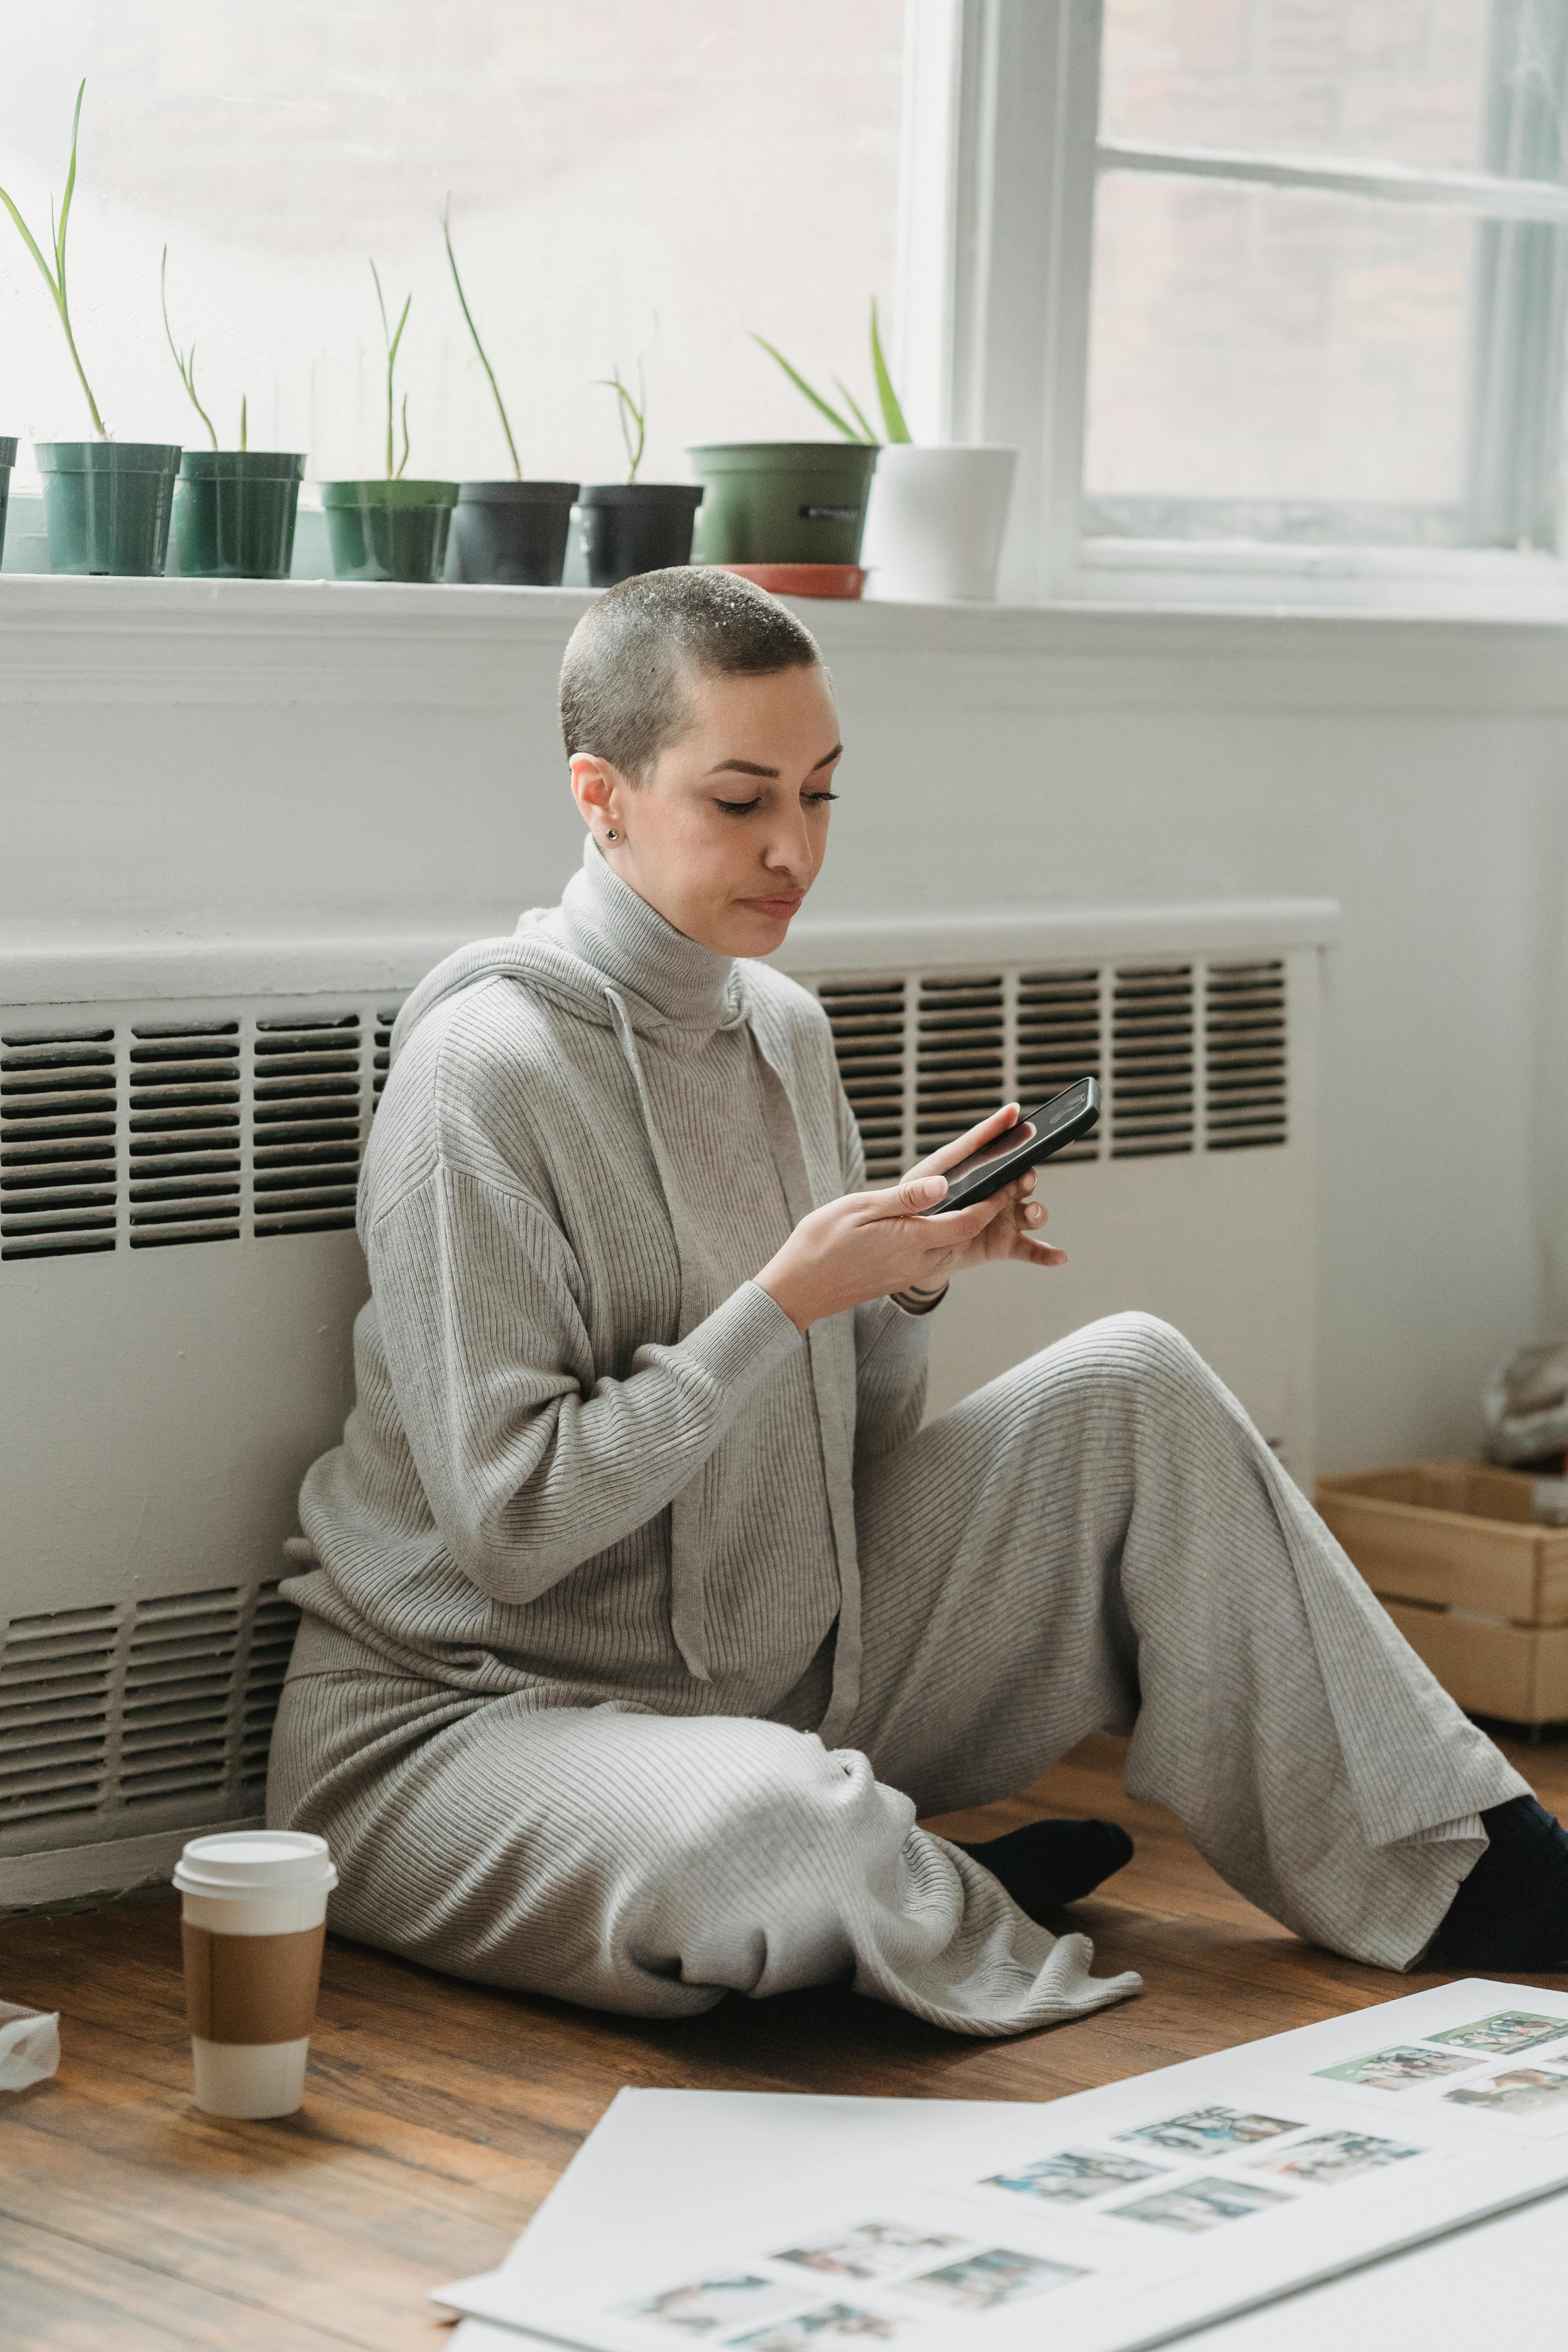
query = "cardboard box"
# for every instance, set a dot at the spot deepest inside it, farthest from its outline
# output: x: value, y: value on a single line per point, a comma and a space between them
x: 1477, y: 1586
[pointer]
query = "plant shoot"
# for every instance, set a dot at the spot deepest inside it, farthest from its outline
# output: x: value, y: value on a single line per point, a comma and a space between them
x: 392, y: 339
x: 184, y: 360
x: 484, y: 362
x: 632, y: 415
x: 55, y: 279
x: 856, y: 426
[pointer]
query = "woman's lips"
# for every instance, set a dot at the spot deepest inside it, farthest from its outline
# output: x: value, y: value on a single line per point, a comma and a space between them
x: 789, y: 905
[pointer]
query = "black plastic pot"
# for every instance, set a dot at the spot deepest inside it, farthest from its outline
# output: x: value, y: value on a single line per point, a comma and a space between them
x: 107, y: 503
x: 8, y: 459
x: 234, y: 513
x: 631, y: 527
x: 513, y: 533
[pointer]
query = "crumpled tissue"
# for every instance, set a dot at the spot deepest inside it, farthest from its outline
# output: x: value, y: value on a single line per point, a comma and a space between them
x: 30, y: 2045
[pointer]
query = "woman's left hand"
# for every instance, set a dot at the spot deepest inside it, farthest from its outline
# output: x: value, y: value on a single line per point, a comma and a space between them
x: 1014, y: 1231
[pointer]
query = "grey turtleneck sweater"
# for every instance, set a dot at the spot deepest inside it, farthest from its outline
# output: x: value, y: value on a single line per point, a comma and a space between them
x: 589, y: 1455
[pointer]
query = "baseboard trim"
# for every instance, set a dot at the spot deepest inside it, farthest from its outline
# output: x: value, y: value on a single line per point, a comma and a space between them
x: 32, y: 1882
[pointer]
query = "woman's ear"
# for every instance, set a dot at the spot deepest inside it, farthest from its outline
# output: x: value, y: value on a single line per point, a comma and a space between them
x: 598, y: 790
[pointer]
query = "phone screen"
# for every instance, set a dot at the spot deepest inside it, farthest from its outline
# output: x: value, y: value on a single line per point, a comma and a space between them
x: 1044, y: 1122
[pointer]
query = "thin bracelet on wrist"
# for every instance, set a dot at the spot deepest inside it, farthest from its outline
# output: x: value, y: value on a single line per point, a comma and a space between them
x: 920, y: 1302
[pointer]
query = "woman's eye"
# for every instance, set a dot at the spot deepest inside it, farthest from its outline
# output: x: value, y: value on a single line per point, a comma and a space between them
x: 740, y: 808
x: 819, y: 798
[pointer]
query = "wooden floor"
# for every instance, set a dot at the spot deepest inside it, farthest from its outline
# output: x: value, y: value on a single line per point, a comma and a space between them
x: 437, y: 2116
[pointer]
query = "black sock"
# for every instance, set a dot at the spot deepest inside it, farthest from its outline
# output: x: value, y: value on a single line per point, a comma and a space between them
x: 1048, y: 1864
x: 1511, y: 1912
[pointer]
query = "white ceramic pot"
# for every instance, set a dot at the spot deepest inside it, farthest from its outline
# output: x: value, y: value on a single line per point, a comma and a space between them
x: 933, y: 528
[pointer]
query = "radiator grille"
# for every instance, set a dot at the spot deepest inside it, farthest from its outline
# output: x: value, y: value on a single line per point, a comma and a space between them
x: 1191, y: 1055
x: 169, y: 1125
x: 308, y: 1123
x: 867, y: 1024
x: 132, y: 1715
x: 56, y: 1693
x: 962, y: 1055
x: 1245, y: 1074
x: 1152, y: 1050
x: 185, y: 1138
x: 59, y: 1136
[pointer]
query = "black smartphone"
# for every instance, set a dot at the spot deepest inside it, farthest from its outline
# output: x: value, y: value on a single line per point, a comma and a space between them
x: 1033, y: 1137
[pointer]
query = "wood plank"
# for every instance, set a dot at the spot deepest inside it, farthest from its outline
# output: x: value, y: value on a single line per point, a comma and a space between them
x: 439, y: 2114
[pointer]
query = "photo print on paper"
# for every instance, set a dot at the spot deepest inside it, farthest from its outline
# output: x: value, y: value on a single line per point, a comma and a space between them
x: 1204, y: 2131
x: 1075, y: 2175
x: 830, y: 2323
x: 1202, y: 2204
x: 703, y: 2307
x: 1521, y: 2092
x: 982, y: 2281
x: 1401, y: 2068
x: 1500, y: 2036
x: 872, y: 2250
x: 1331, y: 2156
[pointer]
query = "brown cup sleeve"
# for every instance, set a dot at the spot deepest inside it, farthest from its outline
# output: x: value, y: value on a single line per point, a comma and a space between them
x: 251, y: 1989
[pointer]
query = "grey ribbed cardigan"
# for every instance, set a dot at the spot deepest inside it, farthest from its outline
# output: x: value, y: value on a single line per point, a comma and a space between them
x: 570, y: 1466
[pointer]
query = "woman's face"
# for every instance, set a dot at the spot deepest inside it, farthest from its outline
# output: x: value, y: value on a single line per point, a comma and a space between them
x: 728, y: 833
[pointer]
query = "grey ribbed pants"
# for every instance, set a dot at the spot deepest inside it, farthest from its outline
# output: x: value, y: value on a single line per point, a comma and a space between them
x: 1099, y: 1538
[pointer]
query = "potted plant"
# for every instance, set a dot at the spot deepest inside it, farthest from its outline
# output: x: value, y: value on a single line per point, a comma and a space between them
x: 233, y: 509
x: 935, y: 514
x: 389, y: 528
x: 105, y: 503
x: 631, y: 526
x: 511, y: 531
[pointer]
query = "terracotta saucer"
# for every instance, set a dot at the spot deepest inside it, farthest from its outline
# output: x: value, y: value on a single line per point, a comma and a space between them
x: 803, y: 578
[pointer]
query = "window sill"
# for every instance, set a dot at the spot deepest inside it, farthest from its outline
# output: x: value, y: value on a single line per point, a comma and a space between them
x: 1449, y: 583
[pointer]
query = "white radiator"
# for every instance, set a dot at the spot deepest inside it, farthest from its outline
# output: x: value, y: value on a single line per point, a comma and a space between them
x: 179, y: 1274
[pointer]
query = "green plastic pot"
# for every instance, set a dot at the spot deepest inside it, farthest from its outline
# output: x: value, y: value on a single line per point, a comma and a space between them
x: 8, y: 459
x: 107, y: 504
x: 234, y: 513
x: 388, y: 530
x: 783, y: 501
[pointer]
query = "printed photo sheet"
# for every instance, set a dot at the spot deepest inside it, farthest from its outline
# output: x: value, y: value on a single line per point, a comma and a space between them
x: 1124, y: 2216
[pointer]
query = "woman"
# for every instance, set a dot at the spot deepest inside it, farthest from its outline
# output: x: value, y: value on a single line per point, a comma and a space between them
x: 647, y: 1615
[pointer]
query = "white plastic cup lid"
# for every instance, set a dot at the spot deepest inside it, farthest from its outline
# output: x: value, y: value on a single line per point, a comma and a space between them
x: 256, y: 1862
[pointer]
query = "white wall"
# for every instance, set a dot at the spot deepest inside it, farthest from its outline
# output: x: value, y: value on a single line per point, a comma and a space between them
x: 182, y: 761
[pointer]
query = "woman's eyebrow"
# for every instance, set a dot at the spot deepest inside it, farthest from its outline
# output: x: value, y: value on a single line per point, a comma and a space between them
x: 751, y: 767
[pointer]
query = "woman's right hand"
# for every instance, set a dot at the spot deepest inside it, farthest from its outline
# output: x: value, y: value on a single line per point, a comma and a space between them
x: 874, y: 1246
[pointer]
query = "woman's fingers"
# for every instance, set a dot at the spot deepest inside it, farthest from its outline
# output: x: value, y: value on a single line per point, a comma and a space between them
x: 962, y: 1146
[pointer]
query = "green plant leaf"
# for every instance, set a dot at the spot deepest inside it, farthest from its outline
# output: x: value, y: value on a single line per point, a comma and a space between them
x: 243, y: 424
x: 840, y: 424
x: 892, y: 413
x: 187, y: 364
x: 858, y: 414
x: 55, y: 279
x: 484, y: 361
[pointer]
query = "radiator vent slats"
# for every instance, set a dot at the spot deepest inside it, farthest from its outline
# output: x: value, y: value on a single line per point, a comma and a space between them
x: 1058, y: 1039
x: 868, y: 1019
x: 307, y: 1112
x: 1192, y: 1055
x: 139, y: 1714
x: 184, y: 1133
x: 1151, y: 1048
x: 57, y: 1674
x: 961, y: 1056
x: 1244, y: 1075
x: 58, y: 1135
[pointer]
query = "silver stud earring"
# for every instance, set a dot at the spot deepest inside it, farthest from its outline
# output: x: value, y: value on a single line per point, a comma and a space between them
x: 612, y: 835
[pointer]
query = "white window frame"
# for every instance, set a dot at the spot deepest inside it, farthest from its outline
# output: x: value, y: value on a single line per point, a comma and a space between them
x: 1001, y: 158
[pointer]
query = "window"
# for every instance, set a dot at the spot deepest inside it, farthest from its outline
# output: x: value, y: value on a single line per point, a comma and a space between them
x: 1327, y: 282
x: 714, y: 165
x: 1264, y: 274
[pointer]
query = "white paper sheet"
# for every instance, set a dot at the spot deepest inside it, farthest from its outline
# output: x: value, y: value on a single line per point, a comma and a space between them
x: 674, y: 2185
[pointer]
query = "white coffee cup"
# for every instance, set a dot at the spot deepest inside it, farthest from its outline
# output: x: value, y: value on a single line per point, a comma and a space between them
x: 253, y: 1919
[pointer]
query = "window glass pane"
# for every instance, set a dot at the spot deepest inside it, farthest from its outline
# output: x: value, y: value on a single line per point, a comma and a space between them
x: 1250, y: 344
x: 1400, y: 80
x: 715, y: 165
